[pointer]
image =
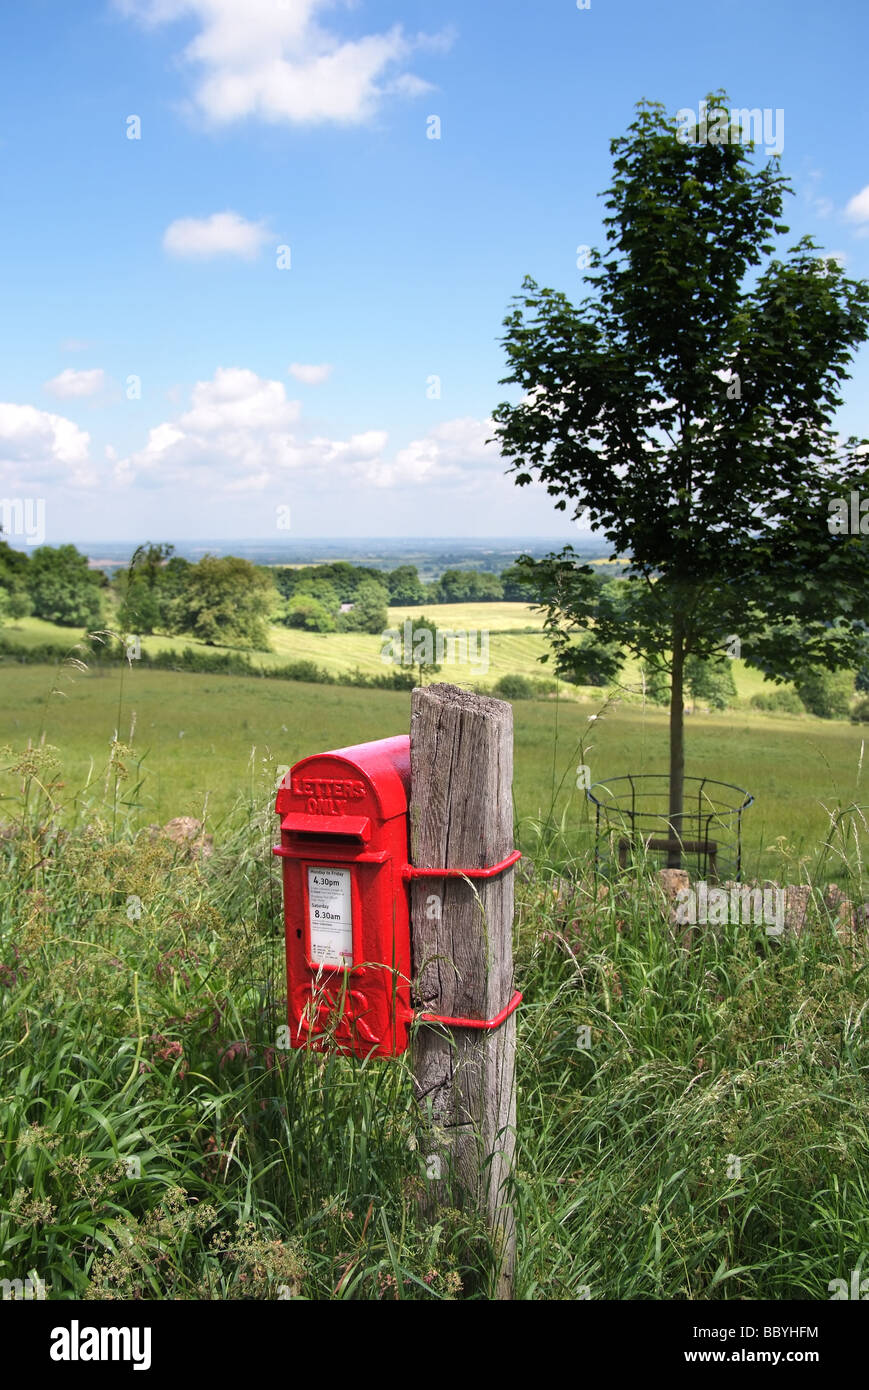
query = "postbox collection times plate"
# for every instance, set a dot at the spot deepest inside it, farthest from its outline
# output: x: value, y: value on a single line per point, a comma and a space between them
x: 330, y: 917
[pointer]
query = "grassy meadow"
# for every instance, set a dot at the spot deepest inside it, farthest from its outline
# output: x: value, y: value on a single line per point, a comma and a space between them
x: 196, y: 742
x: 159, y: 1144
x: 705, y: 1140
x: 512, y: 649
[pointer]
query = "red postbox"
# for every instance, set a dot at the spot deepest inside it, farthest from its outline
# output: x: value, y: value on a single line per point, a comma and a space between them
x: 344, y: 847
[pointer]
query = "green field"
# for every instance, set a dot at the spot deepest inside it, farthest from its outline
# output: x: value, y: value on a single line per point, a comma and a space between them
x: 160, y: 1146
x: 201, y: 742
x: 341, y: 653
x: 705, y: 1141
x: 511, y: 651
x: 493, y: 617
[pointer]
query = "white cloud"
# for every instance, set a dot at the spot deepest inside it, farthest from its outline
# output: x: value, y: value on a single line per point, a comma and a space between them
x: 237, y: 399
x: 454, y: 451
x: 71, y: 383
x: 310, y: 374
x: 857, y: 210
x: 367, y: 445
x: 241, y: 433
x: 222, y: 234
x: 38, y: 447
x: 272, y: 60
x: 238, y: 433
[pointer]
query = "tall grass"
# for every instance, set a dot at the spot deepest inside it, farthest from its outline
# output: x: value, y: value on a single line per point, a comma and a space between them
x: 692, y: 1124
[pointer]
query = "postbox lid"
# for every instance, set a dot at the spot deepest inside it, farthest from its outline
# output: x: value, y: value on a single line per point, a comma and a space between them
x: 297, y: 822
x: 384, y: 765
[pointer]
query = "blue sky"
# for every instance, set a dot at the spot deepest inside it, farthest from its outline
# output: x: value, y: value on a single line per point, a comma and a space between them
x: 150, y: 265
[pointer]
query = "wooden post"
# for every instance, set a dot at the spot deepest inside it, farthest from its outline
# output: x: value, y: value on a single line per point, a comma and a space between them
x: 461, y: 816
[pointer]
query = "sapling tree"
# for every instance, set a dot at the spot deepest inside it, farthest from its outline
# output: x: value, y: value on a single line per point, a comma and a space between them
x: 684, y: 409
x: 414, y: 647
x: 710, y: 680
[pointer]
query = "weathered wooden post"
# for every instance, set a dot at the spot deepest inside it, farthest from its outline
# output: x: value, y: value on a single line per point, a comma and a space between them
x: 461, y: 817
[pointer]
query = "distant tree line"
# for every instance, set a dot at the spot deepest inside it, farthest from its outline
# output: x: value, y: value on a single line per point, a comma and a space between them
x: 230, y: 602
x: 219, y: 600
x: 225, y: 600
x: 54, y: 584
x: 342, y: 597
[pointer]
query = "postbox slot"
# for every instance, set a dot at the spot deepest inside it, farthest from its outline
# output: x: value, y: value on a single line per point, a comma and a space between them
x: 336, y: 828
x: 329, y: 837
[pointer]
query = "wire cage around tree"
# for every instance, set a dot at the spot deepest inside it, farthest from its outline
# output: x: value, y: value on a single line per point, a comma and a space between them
x: 632, y: 821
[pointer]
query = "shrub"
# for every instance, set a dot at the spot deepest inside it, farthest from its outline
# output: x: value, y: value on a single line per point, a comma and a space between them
x: 860, y: 709
x: 194, y: 659
x: 390, y: 680
x: 300, y: 671
x: 515, y: 688
x: 785, y: 700
x: 306, y: 611
x: 827, y: 694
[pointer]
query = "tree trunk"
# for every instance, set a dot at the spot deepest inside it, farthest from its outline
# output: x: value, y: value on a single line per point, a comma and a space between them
x: 677, y: 743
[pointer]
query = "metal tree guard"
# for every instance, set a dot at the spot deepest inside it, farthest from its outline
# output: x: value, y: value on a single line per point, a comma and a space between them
x: 632, y: 816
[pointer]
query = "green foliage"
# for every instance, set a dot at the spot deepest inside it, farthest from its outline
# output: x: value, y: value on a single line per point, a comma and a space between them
x: 515, y: 688
x: 405, y: 586
x: 343, y: 578
x: 685, y: 410
x: 19, y: 603
x: 15, y: 601
x: 306, y: 611
x: 827, y: 694
x: 139, y: 607
x: 573, y: 606
x: 654, y: 684
x: 13, y: 566
x: 142, y: 600
x: 316, y: 593
x: 468, y: 586
x: 710, y: 680
x: 62, y: 588
x: 415, y: 647
x: 587, y: 661
x: 172, y: 583
x: 860, y: 709
x: 518, y: 584
x: 324, y: 590
x: 369, y: 612
x: 784, y: 699
x: 227, y: 601
x: 863, y: 664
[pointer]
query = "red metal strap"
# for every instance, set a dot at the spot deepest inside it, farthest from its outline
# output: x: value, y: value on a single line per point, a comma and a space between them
x: 410, y: 871
x: 495, y: 1022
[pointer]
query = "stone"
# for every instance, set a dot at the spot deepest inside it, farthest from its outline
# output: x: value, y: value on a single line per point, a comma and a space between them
x: 673, y: 882
x: 186, y: 832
